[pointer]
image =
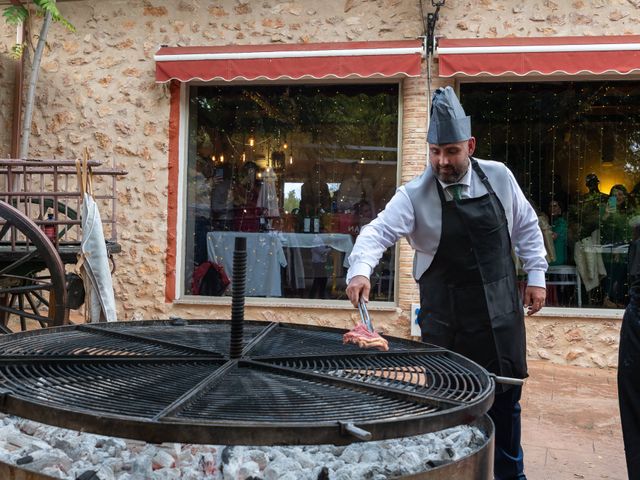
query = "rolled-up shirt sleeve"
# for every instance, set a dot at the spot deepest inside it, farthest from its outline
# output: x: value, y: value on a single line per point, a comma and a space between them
x: 526, y: 237
x: 394, y: 222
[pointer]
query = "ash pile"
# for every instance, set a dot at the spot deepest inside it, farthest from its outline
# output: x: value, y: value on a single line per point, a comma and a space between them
x: 68, y: 454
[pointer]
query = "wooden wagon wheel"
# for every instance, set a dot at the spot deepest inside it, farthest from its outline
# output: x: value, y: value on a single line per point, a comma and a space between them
x: 32, y: 278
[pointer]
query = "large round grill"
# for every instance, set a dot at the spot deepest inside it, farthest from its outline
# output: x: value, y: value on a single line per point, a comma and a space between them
x: 176, y: 381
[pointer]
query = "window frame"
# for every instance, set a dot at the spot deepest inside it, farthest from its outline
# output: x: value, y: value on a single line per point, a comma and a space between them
x: 180, y: 297
x: 558, y: 312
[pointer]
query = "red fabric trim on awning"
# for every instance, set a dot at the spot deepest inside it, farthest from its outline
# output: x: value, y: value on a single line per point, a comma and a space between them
x: 544, y: 56
x: 302, y: 61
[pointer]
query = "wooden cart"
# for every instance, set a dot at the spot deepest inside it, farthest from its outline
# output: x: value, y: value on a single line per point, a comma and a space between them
x: 40, y: 234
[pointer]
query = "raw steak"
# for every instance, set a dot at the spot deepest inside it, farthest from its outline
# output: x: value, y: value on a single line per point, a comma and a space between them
x: 365, y: 339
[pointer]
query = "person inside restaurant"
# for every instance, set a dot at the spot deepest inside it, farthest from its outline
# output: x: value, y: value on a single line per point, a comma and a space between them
x: 246, y: 192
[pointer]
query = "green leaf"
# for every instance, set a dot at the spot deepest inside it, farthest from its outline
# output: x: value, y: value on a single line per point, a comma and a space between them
x: 48, y: 6
x: 64, y: 22
x: 17, y: 51
x: 15, y: 14
x: 56, y: 16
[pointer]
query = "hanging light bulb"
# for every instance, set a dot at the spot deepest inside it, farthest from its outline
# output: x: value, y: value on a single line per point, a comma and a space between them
x: 221, y: 158
x: 291, y: 160
x: 244, y: 157
x: 361, y: 159
x: 213, y: 158
x: 285, y: 146
x: 251, y: 141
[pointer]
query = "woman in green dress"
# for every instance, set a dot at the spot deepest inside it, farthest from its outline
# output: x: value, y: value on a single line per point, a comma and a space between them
x: 559, y: 227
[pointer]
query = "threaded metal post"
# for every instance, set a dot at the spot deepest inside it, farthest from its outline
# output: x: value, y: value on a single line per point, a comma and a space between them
x: 237, y: 292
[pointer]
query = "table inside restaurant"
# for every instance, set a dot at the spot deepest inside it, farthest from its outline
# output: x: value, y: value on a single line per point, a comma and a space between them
x: 340, y: 243
x: 266, y: 254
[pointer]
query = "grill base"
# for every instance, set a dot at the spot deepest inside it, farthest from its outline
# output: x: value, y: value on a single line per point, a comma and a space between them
x: 478, y: 465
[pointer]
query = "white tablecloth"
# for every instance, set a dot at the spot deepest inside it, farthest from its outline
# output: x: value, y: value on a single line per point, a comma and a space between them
x: 296, y: 276
x: 338, y: 241
x: 620, y: 249
x: 265, y: 256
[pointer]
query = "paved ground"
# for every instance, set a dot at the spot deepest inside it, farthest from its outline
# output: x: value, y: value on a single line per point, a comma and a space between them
x: 571, y: 424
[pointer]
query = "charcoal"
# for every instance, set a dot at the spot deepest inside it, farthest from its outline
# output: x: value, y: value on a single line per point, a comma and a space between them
x: 89, y: 475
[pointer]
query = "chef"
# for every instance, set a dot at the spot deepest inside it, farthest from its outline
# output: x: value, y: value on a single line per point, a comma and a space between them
x: 462, y: 216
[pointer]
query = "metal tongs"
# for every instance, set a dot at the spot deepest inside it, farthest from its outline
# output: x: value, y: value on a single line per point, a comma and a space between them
x: 364, y: 315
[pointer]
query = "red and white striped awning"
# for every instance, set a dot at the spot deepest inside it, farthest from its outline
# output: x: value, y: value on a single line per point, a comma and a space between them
x: 292, y: 62
x: 539, y: 56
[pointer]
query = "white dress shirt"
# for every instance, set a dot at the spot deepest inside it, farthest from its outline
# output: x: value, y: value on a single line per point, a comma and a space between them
x: 398, y: 220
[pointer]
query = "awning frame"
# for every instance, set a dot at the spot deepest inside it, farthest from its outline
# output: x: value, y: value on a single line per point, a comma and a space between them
x: 541, y: 57
x: 339, y: 60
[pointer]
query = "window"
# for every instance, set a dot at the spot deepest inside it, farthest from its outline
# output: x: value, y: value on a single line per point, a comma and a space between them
x: 297, y: 170
x: 574, y: 148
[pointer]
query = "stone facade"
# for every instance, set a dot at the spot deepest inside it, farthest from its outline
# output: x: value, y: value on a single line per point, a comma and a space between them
x: 97, y: 90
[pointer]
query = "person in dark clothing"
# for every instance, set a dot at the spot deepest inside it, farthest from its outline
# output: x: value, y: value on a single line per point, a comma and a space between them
x: 629, y: 364
x: 461, y: 216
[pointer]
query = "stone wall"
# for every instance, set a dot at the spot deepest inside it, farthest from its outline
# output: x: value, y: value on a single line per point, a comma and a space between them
x: 585, y: 342
x: 97, y: 90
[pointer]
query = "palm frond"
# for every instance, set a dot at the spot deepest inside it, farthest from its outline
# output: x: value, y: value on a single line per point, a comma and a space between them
x: 15, y: 14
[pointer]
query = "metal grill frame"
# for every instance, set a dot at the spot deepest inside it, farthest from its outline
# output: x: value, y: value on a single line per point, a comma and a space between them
x: 28, y: 356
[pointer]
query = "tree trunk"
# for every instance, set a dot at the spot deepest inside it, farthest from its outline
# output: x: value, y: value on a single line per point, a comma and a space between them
x: 31, y: 89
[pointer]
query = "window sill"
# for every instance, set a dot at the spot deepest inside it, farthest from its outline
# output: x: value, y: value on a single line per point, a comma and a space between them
x: 570, y: 313
x: 305, y: 303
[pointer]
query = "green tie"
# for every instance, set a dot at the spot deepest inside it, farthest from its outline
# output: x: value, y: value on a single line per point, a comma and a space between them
x: 456, y: 191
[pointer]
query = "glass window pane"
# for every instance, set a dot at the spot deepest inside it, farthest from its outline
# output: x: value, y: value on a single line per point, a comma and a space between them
x: 297, y: 170
x: 574, y: 149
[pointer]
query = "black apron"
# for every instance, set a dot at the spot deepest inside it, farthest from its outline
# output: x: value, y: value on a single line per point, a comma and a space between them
x: 629, y: 368
x: 469, y: 301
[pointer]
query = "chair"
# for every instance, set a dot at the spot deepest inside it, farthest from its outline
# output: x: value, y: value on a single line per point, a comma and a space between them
x: 565, y: 275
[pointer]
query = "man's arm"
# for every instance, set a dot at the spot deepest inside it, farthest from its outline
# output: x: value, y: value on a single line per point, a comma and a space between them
x: 394, y: 222
x: 529, y: 247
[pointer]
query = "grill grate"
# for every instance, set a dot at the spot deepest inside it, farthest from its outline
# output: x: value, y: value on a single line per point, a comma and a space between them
x: 159, y: 381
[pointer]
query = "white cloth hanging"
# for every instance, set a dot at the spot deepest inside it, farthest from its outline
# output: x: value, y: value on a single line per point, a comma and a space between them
x: 94, y: 260
x: 268, y: 199
x: 589, y: 262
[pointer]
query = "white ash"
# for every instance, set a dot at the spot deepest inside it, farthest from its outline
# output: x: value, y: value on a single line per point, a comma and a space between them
x: 68, y: 454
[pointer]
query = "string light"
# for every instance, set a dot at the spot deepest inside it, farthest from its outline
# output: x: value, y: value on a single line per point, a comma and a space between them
x: 251, y: 141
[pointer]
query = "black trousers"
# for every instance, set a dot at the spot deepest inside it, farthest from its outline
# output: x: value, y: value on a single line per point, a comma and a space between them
x: 629, y: 383
x: 505, y: 412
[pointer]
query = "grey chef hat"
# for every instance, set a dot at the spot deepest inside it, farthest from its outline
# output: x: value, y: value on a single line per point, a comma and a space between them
x: 449, y: 123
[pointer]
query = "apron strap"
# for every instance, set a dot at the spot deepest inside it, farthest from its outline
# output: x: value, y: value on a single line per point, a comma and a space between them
x: 443, y: 200
x: 483, y: 178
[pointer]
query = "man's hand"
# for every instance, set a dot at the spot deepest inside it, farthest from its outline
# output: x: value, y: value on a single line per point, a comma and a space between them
x: 359, y: 287
x: 534, y: 298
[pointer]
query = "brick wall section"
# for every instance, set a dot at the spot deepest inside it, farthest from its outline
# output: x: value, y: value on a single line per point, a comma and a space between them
x: 97, y: 89
x: 414, y: 161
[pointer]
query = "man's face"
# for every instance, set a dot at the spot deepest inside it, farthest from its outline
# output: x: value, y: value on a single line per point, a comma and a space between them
x: 451, y: 161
